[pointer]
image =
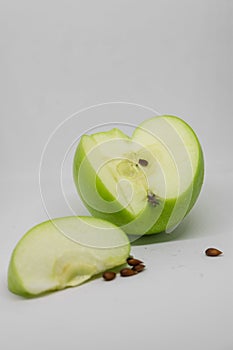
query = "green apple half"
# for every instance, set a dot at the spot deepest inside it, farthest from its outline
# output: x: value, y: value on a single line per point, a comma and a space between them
x: 146, y: 183
x: 65, y: 252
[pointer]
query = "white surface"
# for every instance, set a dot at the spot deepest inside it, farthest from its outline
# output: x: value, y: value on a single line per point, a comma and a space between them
x: 174, y: 56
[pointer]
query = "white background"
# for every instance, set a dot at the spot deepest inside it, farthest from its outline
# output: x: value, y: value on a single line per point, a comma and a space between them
x: 173, y: 56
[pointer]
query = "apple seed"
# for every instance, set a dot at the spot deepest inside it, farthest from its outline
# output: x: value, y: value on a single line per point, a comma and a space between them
x: 143, y: 162
x: 152, y: 199
x: 213, y: 252
x: 138, y: 268
x: 109, y: 275
x: 127, y: 272
x: 133, y: 262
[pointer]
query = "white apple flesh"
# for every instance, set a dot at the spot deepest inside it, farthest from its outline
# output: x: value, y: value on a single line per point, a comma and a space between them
x: 146, y: 183
x: 65, y: 252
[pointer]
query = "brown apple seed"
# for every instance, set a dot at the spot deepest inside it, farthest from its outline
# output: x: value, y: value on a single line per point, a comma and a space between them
x: 109, y: 275
x: 133, y: 262
x: 138, y: 268
x: 126, y: 272
x: 213, y: 252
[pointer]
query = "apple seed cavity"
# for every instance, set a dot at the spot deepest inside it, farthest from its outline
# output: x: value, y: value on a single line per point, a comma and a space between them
x: 152, y: 199
x: 127, y: 168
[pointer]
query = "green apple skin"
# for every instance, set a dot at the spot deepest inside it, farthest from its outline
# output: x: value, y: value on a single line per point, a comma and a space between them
x: 131, y: 224
x: 46, y: 260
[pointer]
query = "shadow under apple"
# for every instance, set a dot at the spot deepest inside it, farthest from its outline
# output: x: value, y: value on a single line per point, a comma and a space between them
x: 192, y: 227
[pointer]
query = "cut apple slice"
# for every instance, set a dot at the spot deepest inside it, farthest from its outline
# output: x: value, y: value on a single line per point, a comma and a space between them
x: 145, y: 184
x: 65, y: 252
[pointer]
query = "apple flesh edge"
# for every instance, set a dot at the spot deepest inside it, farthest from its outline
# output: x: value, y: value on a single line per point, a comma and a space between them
x: 111, y: 258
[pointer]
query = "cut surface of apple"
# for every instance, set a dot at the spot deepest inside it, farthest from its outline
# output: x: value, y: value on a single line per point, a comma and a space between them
x: 146, y: 183
x: 65, y: 252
